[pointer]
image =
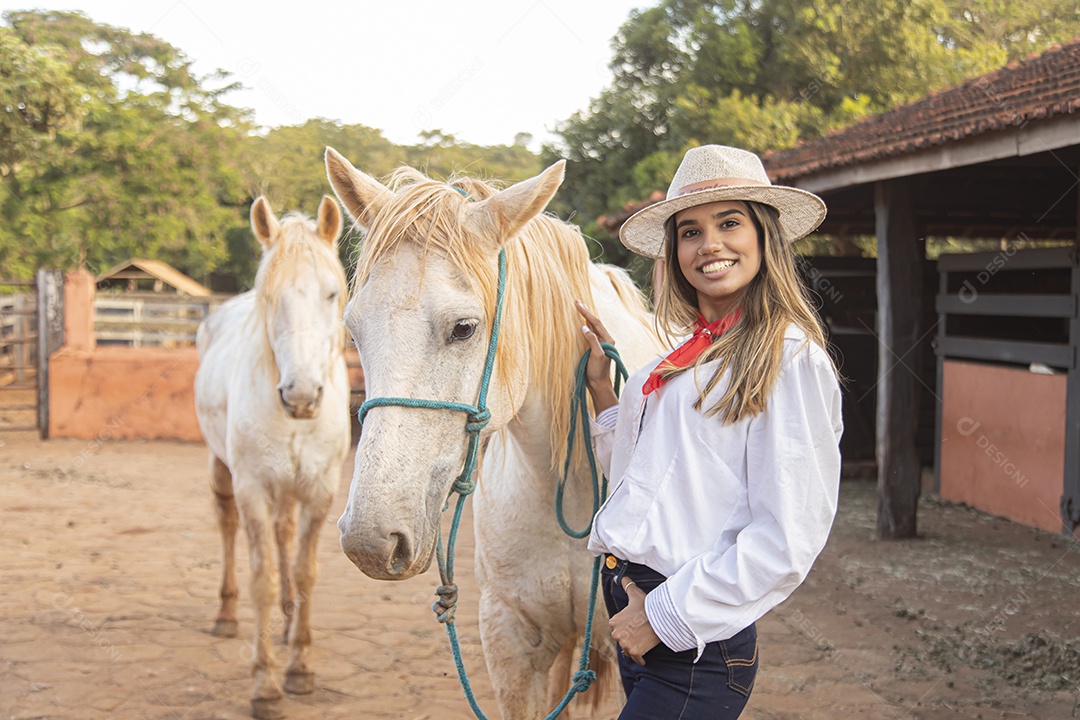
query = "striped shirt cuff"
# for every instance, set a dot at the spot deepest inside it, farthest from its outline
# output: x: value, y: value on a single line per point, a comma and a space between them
x: 606, y: 418
x: 666, y: 623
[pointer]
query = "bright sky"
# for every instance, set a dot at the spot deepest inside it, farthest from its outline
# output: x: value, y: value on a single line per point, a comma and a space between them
x: 482, y: 70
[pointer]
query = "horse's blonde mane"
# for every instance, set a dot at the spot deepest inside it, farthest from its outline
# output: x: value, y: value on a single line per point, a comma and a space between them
x: 278, y: 269
x: 547, y: 269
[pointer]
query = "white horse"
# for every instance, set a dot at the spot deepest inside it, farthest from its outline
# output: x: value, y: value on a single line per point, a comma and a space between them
x: 421, y: 312
x: 272, y: 397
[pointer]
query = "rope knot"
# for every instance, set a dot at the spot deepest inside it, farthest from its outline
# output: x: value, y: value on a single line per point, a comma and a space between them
x: 478, y: 420
x: 583, y: 679
x: 464, y: 486
x: 445, y: 606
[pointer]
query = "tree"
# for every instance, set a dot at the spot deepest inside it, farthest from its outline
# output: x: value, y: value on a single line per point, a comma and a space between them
x: 117, y: 149
x: 764, y: 74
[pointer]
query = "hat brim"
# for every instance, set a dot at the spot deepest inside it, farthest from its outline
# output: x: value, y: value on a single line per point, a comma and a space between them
x: 800, y: 212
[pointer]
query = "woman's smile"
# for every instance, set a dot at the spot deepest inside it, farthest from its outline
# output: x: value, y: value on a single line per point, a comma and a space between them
x: 716, y: 268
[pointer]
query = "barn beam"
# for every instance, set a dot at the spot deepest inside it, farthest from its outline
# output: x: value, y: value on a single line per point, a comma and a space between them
x: 899, y: 301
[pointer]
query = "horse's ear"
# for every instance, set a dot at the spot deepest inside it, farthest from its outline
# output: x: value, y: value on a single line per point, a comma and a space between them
x: 329, y: 225
x: 508, y: 211
x: 362, y: 195
x: 263, y: 222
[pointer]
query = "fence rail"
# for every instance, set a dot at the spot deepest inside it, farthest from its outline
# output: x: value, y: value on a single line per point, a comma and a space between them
x: 18, y: 338
x: 150, y: 320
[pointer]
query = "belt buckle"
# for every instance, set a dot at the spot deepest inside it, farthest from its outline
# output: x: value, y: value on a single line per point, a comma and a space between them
x: 611, y: 562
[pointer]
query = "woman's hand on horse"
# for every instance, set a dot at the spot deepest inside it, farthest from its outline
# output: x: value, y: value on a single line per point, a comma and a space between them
x: 630, y: 627
x: 598, y: 369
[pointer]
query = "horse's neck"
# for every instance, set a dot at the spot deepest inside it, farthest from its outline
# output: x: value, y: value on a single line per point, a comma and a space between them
x: 529, y: 428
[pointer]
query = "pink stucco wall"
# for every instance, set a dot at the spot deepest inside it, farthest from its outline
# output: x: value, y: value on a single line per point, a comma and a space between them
x: 123, y: 394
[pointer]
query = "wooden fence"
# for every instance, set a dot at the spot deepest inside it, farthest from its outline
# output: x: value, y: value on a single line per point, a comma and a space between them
x: 150, y: 320
x: 18, y: 332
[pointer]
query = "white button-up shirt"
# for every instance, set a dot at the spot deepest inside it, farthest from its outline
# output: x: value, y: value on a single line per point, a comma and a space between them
x: 733, y: 515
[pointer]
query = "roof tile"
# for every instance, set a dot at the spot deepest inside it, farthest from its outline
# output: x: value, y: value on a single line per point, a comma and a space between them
x: 1036, y: 88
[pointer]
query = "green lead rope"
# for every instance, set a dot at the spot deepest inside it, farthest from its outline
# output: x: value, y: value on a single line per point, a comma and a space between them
x: 578, y: 404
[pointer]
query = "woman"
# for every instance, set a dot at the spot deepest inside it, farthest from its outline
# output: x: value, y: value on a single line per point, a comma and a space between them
x: 723, y: 457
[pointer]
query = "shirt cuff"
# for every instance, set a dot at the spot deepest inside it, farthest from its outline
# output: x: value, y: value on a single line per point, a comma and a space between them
x: 607, y: 418
x: 665, y: 621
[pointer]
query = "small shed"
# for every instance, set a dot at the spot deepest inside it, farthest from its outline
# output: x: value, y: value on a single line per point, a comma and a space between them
x: 141, y: 274
x: 149, y: 303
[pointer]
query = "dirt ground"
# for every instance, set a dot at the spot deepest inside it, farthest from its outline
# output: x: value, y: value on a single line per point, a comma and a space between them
x: 109, y: 568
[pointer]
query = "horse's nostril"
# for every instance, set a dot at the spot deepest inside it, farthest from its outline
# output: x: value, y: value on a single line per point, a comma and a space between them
x: 400, y: 554
x: 318, y: 394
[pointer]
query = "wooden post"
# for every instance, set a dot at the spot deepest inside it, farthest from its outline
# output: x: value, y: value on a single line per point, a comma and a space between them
x: 50, y: 337
x: 899, y: 299
x: 939, y: 361
x: 1070, y: 497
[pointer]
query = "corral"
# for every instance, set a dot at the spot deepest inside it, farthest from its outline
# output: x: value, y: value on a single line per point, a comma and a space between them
x: 111, y: 563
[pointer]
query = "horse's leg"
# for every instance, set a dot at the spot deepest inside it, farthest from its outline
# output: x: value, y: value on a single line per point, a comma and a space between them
x: 285, y: 530
x: 519, y: 656
x: 228, y: 522
x: 299, y: 678
x: 559, y: 677
x: 258, y: 524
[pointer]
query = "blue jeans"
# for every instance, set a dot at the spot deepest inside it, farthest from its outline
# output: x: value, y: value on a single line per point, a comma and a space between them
x: 670, y: 684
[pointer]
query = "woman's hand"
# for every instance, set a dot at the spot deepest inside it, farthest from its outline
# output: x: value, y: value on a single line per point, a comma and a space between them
x: 598, y: 369
x: 630, y: 627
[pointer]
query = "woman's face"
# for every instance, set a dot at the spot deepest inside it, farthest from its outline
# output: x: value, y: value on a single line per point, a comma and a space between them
x: 719, y: 253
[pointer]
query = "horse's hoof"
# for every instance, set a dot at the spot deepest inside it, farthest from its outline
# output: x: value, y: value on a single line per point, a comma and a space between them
x: 226, y: 628
x: 299, y: 683
x: 267, y: 708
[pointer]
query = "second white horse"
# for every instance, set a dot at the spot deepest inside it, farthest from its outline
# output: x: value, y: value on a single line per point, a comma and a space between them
x: 272, y: 397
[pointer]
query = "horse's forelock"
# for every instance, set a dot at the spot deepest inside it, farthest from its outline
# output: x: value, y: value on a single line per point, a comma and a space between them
x: 278, y: 267
x: 429, y: 214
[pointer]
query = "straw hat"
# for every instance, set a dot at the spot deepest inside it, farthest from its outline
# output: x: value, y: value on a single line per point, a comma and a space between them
x: 714, y: 172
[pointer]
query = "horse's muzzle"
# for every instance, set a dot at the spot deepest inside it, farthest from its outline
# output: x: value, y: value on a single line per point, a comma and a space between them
x: 301, y: 408
x: 383, y: 555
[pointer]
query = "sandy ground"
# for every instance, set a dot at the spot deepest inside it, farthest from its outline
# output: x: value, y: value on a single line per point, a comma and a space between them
x: 109, y: 568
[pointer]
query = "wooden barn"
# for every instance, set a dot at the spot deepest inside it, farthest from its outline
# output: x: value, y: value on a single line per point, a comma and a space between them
x: 983, y: 344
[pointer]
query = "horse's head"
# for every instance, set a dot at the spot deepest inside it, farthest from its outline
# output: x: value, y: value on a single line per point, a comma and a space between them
x: 300, y: 291
x: 421, y: 314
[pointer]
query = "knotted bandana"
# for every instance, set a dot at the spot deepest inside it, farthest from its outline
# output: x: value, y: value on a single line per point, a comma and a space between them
x: 688, y: 352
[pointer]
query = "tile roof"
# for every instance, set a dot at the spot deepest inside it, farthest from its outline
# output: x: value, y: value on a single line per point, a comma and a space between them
x: 614, y: 221
x: 1036, y: 88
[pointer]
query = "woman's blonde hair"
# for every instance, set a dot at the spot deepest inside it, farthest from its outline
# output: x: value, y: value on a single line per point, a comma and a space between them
x: 752, y: 350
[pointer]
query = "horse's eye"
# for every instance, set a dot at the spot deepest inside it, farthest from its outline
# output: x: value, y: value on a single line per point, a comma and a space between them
x: 463, y: 330
x: 332, y: 296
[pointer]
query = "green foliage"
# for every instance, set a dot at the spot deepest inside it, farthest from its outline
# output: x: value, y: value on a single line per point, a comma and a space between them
x: 117, y: 149
x: 764, y: 74
x: 110, y: 147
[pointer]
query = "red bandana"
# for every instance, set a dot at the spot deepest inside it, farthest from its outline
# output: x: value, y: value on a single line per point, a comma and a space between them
x: 688, y: 352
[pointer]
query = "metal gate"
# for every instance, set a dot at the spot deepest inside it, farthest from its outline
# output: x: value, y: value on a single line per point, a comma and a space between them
x: 31, y: 329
